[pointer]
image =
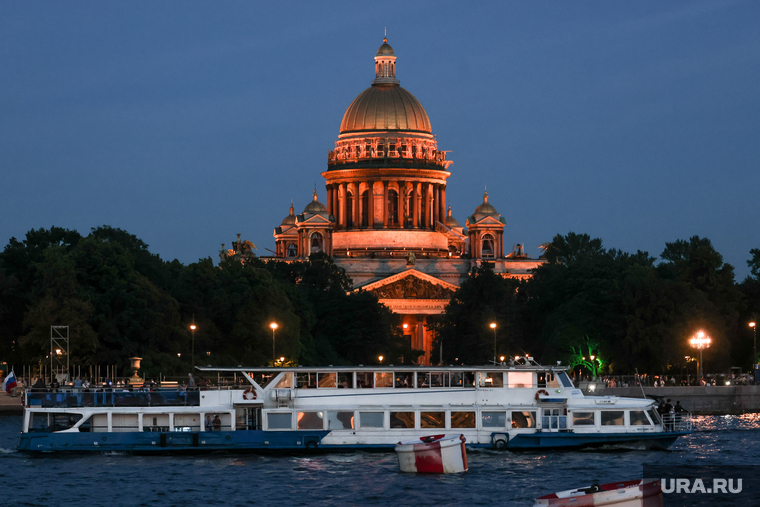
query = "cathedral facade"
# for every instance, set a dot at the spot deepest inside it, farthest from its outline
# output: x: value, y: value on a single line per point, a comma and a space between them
x: 385, y: 219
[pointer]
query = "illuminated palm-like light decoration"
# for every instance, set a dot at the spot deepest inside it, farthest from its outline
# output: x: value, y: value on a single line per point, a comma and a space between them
x: 700, y: 341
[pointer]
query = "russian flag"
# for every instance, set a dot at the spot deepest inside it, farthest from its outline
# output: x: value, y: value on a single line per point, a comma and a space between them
x: 9, y: 383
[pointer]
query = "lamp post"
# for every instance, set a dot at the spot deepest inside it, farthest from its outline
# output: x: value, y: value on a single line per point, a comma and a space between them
x: 700, y: 341
x: 273, y: 325
x: 192, y: 331
x: 493, y: 326
x: 753, y: 325
x: 688, y: 358
x: 380, y: 359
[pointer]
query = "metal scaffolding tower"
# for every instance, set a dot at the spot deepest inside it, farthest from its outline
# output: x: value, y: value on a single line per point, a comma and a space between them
x: 59, y: 350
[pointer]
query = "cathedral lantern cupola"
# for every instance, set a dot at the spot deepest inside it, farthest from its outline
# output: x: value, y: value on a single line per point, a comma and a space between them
x: 385, y: 65
x: 485, y: 230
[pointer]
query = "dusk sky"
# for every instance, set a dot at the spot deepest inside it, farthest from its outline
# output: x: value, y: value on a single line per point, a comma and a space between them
x: 185, y: 123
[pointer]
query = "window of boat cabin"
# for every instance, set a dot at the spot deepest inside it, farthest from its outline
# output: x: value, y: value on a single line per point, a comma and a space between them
x: 462, y: 379
x: 520, y: 379
x: 345, y: 380
x: 431, y: 379
x: 564, y: 379
x: 340, y: 420
x: 152, y: 422
x: 401, y: 420
x: 491, y: 379
x: 371, y: 419
x: 432, y: 419
x: 612, y: 418
x: 310, y: 421
x: 263, y: 378
x: 277, y: 421
x: 285, y: 382
x: 52, y: 421
x: 462, y: 419
x: 493, y: 419
x: 306, y: 380
x: 403, y: 379
x: 364, y: 379
x: 583, y: 419
x: 654, y: 416
x: 546, y: 379
x: 384, y: 379
x: 638, y: 418
x: 523, y: 419
x: 187, y: 422
x: 121, y: 423
x: 326, y: 380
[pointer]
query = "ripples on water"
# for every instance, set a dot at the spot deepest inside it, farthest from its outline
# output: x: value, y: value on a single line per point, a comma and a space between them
x: 495, y: 478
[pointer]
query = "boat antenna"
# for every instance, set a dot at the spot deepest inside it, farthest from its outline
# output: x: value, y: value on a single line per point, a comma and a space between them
x: 638, y: 377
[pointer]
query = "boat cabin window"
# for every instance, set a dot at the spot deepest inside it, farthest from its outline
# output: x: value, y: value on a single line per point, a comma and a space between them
x: 151, y: 422
x: 612, y: 418
x: 285, y: 382
x: 523, y: 419
x: 187, y: 422
x: 564, y: 379
x: 402, y: 420
x: 310, y: 421
x: 100, y: 422
x: 583, y: 418
x: 654, y: 416
x: 493, y: 419
x: 263, y: 378
x: 554, y: 418
x: 364, y: 379
x: 52, y: 421
x: 638, y: 418
x: 462, y: 420
x: 404, y: 379
x: 279, y: 421
x: 371, y: 419
x: 345, y: 380
x: 121, y: 423
x: 326, y: 380
x: 340, y: 420
x: 491, y: 379
x: 432, y: 419
x: 520, y: 379
x: 546, y: 379
x: 437, y: 379
x: 384, y: 379
x: 306, y: 380
x: 463, y: 379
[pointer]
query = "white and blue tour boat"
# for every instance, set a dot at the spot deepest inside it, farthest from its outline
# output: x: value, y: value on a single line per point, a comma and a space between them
x: 520, y: 407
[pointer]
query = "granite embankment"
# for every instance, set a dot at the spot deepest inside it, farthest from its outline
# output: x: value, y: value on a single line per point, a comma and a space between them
x: 10, y: 405
x: 707, y: 400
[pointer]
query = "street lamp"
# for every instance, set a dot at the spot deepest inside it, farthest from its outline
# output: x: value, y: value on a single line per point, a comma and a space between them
x: 493, y: 326
x: 700, y: 341
x: 380, y: 358
x: 192, y: 330
x: 273, y: 325
x: 753, y: 325
x: 688, y: 358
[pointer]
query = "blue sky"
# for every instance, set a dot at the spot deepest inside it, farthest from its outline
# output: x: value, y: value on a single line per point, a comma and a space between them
x: 188, y: 122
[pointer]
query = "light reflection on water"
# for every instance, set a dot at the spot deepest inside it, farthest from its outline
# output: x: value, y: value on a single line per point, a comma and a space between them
x: 353, y: 479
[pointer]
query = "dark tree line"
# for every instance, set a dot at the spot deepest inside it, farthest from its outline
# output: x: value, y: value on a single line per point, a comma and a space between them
x: 120, y: 301
x: 624, y: 308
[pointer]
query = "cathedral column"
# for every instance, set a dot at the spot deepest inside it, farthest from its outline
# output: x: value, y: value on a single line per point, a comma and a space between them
x: 428, y: 207
x: 402, y: 204
x: 329, y: 199
x: 443, y: 203
x: 436, y: 198
x: 371, y: 204
x: 415, y: 206
x: 385, y: 205
x: 336, y: 206
x: 357, y: 200
x: 344, y: 206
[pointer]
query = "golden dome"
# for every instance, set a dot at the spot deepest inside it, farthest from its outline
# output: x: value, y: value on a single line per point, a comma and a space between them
x: 385, y: 49
x: 383, y: 107
x: 486, y: 208
x: 315, y: 206
x: 291, y: 218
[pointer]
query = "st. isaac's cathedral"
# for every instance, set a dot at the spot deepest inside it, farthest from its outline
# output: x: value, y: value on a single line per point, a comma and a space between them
x: 385, y: 219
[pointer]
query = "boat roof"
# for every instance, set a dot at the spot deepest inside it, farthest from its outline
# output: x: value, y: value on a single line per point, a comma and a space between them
x: 383, y: 368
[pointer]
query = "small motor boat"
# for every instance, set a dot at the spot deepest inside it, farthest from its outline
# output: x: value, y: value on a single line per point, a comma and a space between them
x: 641, y: 493
x: 436, y: 454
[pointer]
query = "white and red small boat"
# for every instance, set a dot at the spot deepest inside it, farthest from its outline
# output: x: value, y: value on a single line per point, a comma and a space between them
x: 435, y: 454
x: 641, y: 493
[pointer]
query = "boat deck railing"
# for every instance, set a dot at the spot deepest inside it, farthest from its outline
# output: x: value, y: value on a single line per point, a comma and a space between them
x: 76, y: 398
x: 680, y: 421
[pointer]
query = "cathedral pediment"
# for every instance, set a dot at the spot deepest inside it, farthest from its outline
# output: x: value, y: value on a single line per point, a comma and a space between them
x: 314, y: 220
x: 411, y: 284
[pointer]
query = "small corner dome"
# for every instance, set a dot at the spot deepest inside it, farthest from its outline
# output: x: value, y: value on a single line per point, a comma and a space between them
x: 291, y: 218
x: 486, y: 208
x: 315, y: 206
x: 450, y: 221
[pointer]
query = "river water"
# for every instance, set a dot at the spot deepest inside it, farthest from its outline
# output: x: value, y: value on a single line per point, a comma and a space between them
x: 362, y: 478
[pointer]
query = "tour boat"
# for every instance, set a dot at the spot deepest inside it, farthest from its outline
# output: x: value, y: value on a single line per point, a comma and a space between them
x: 345, y: 408
x: 637, y: 493
x: 434, y: 454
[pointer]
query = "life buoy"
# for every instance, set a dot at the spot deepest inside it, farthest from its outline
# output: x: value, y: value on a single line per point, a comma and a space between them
x: 249, y: 394
x: 541, y: 391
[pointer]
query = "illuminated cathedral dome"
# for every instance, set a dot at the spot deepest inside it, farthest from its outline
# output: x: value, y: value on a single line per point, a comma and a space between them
x: 486, y: 208
x: 385, y: 107
x: 315, y: 206
x: 291, y: 218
